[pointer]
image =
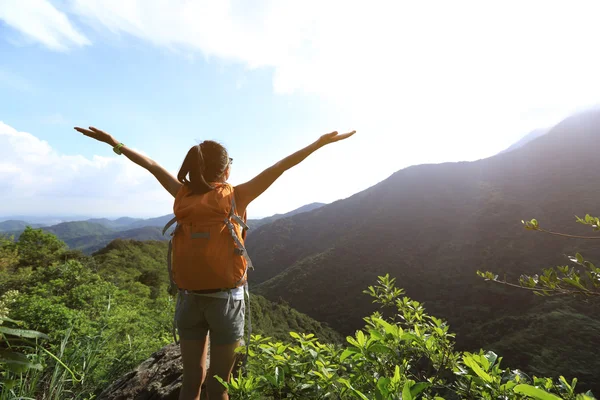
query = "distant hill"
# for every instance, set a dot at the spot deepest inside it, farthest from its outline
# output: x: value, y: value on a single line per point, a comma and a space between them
x: 95, y: 233
x: 159, y: 222
x: 526, y: 139
x: 90, y: 236
x: 256, y: 223
x: 90, y: 244
x: 116, y: 224
x: 90, y: 227
x: 70, y: 230
x: 41, y: 220
x: 75, y: 229
x: 12, y: 225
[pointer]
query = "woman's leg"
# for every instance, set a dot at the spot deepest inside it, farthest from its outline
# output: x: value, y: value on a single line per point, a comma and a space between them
x: 222, y: 359
x: 226, y: 321
x: 193, y: 355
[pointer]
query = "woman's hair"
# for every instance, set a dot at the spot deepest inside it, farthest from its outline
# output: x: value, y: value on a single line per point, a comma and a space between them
x: 205, y: 164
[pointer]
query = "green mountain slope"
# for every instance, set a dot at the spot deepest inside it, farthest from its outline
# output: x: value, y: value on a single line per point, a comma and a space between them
x: 12, y: 225
x: 257, y: 223
x: 432, y: 227
x: 122, y: 223
x: 126, y: 262
x: 92, y: 243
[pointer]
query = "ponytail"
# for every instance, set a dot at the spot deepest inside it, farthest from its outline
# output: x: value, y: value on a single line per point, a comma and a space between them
x: 194, y: 166
x: 203, y: 163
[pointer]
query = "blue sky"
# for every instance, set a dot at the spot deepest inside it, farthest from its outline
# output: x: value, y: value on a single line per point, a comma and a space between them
x: 266, y: 78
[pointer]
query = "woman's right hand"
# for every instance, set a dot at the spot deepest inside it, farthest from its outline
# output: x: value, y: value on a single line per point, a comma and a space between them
x: 98, y: 135
x: 333, y: 137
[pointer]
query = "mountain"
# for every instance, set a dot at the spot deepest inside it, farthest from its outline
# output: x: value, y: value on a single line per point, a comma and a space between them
x: 95, y: 233
x: 159, y: 222
x: 91, y: 236
x: 526, y: 139
x: 67, y: 231
x: 253, y: 223
x: 16, y: 225
x: 256, y: 223
x: 432, y: 227
x: 117, y: 224
x: 90, y: 244
x: 75, y: 229
x: 43, y: 220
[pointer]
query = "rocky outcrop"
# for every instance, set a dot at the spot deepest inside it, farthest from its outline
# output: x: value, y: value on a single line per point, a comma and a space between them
x: 157, y: 378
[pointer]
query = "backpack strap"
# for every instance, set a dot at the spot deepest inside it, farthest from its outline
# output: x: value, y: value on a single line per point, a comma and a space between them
x: 233, y: 214
x: 240, y: 249
x: 172, y: 286
x: 169, y: 224
x: 170, y: 253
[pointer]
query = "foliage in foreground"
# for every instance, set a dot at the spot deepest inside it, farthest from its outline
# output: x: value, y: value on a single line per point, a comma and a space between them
x: 404, y: 355
x: 580, y: 280
x: 101, y: 315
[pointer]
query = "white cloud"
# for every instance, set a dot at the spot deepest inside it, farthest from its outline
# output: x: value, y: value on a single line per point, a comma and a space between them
x: 422, y: 81
x: 399, y: 70
x: 36, y: 178
x: 453, y: 68
x: 40, y: 21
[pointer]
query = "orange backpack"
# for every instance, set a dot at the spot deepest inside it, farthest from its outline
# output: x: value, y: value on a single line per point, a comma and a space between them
x: 206, y: 251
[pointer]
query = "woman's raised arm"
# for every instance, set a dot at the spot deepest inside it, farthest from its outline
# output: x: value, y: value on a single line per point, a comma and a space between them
x: 247, y: 192
x: 168, y: 181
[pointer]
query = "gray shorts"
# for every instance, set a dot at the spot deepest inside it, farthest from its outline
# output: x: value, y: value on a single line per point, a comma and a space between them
x: 197, y: 315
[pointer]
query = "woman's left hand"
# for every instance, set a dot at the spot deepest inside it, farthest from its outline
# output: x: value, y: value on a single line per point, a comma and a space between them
x: 98, y: 135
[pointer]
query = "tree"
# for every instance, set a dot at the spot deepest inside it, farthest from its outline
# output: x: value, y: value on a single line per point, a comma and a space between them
x: 9, y: 255
x: 38, y: 248
x: 580, y: 280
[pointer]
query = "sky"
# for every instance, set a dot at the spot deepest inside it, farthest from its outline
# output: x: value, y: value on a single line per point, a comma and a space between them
x: 421, y: 82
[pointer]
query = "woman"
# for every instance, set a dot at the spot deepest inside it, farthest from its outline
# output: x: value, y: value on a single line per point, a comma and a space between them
x: 203, y: 175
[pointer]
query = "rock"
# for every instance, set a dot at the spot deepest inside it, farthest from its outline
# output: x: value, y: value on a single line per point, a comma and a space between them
x: 157, y: 378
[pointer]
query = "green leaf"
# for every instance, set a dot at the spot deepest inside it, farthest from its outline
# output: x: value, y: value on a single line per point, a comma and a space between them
x: 406, y: 393
x: 271, y: 379
x: 376, y: 334
x: 575, y: 283
x: 22, y: 333
x: 7, y: 355
x: 6, y: 319
x: 348, y: 352
x: 295, y: 335
x: 382, y: 385
x: 471, y: 363
x: 349, y: 386
x: 417, y: 388
x: 491, y: 357
x: 534, y: 392
x: 380, y: 348
x: 361, y: 339
x: 353, y: 342
x: 396, y: 378
x: 565, y: 384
